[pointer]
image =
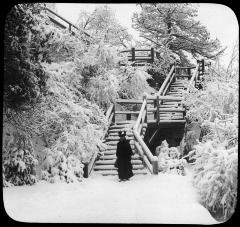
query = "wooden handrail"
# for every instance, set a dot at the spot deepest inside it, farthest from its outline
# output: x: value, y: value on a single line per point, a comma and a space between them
x: 149, y: 159
x: 89, y: 166
x: 193, y: 78
x: 65, y: 20
x: 162, y: 88
x: 165, y: 97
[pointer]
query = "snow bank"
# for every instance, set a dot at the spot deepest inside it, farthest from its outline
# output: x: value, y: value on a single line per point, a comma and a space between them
x: 144, y: 199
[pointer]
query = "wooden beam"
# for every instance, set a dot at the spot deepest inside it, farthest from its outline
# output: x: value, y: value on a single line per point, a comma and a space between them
x: 126, y: 112
x: 165, y: 81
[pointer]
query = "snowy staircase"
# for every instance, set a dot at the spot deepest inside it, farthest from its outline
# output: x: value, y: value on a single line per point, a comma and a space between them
x: 105, y: 165
x: 176, y: 90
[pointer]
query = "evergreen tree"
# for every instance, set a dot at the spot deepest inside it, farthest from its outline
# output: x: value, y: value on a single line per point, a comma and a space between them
x: 174, y: 26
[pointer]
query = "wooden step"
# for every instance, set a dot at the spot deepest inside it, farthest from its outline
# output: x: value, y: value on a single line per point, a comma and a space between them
x: 107, y: 157
x: 116, y: 138
x: 125, y: 122
x: 120, y: 127
x: 112, y: 161
x: 128, y: 133
x: 111, y: 167
x: 171, y: 121
x: 114, y: 147
x: 114, y: 172
x: 111, y: 143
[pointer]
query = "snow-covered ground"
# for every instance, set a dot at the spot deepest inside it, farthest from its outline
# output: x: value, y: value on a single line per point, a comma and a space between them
x: 144, y: 199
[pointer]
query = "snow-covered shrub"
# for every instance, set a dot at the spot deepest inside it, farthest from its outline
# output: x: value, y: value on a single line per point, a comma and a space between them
x: 56, y: 167
x: 133, y: 82
x: 18, y: 160
x: 169, y: 159
x: 73, y: 126
x: 215, y: 176
x: 103, y: 89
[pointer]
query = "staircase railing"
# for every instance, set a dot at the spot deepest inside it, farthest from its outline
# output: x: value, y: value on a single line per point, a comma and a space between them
x: 170, y: 77
x: 193, y: 79
x: 61, y: 25
x: 149, y: 57
x: 89, y: 166
x: 149, y: 159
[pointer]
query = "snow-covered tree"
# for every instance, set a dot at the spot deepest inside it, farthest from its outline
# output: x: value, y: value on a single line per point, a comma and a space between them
x: 19, y: 162
x: 174, y: 26
x: 103, y: 25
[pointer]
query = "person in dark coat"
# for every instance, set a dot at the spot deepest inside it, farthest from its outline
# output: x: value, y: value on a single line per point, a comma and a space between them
x: 124, y: 153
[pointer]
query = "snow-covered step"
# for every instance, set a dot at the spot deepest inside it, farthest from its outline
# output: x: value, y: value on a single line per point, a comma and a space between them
x: 111, y: 162
x: 121, y: 126
x: 105, y: 157
x: 114, y: 147
x: 130, y: 122
x: 116, y: 138
x: 111, y: 167
x: 114, y: 172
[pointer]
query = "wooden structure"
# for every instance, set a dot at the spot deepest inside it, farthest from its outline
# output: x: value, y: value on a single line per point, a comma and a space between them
x: 64, y: 23
x: 141, y: 56
x: 163, y: 108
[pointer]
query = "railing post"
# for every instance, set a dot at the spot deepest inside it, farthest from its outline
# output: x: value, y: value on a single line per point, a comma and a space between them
x: 113, y: 119
x: 70, y: 27
x: 152, y: 54
x: 155, y: 165
x: 203, y: 67
x: 145, y: 98
x: 158, y: 114
x: 133, y: 54
x: 189, y: 72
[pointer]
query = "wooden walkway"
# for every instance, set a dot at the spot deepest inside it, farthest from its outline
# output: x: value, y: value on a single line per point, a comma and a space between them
x: 165, y: 107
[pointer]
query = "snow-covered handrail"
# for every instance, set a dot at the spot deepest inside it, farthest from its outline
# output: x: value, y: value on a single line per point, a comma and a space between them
x: 193, y: 78
x: 89, y: 166
x: 167, y: 82
x: 149, y: 159
x: 70, y: 25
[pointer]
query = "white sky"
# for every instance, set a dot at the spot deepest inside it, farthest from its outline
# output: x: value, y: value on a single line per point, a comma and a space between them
x: 220, y: 20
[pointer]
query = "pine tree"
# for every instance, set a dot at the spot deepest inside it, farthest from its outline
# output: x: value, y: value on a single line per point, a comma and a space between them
x: 174, y: 26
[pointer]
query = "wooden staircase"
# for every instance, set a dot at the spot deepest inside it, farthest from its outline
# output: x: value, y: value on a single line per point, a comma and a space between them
x: 105, y: 165
x: 165, y: 107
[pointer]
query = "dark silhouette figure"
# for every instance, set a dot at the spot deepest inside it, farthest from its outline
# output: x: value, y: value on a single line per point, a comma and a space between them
x: 124, y: 153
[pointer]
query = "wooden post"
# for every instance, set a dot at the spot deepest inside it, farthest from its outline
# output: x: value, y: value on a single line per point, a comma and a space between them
x: 189, y: 73
x: 145, y: 98
x: 133, y: 54
x: 152, y: 54
x: 155, y: 165
x: 158, y: 114
x: 155, y: 105
x: 70, y: 26
x: 203, y: 66
x: 113, y: 119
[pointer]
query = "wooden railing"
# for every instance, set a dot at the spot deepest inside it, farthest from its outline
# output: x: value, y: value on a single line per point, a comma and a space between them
x: 149, y: 56
x: 194, y: 78
x: 89, y: 166
x: 149, y: 159
x: 70, y: 26
x: 170, y: 77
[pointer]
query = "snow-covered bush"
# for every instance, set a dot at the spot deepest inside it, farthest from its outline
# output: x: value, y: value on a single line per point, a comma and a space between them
x: 133, y: 82
x: 56, y: 167
x: 215, y: 109
x: 19, y: 162
x: 215, y: 176
x: 169, y: 160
